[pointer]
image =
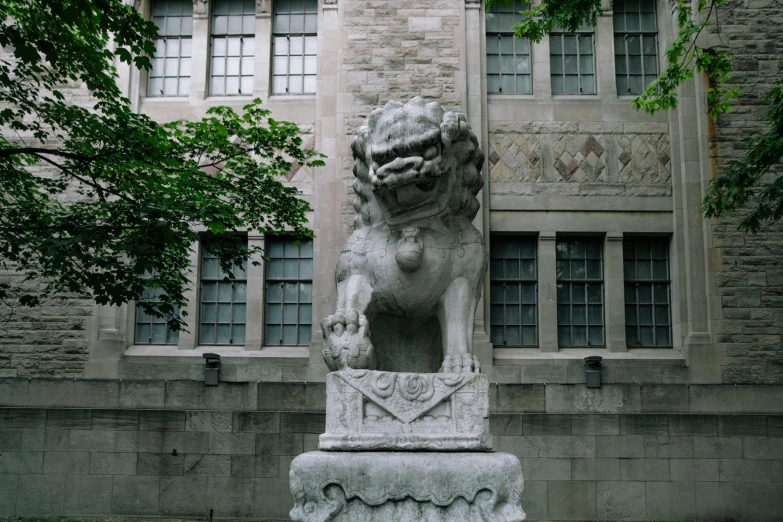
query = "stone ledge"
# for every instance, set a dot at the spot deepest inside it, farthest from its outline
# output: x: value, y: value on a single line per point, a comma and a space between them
x: 510, y: 398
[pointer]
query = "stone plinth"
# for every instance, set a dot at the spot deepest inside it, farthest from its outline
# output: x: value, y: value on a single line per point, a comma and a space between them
x: 371, y: 410
x: 404, y: 486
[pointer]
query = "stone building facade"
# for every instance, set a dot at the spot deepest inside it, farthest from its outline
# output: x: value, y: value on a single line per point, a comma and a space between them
x: 590, y: 211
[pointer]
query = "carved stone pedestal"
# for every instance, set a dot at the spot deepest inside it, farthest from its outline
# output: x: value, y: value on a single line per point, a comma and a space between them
x: 406, y: 487
x: 371, y: 410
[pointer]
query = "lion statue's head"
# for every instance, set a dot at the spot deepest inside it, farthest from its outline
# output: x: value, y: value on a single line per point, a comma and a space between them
x: 414, y: 161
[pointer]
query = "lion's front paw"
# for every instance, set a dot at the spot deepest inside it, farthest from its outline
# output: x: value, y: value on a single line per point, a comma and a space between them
x: 347, y: 341
x: 460, y: 363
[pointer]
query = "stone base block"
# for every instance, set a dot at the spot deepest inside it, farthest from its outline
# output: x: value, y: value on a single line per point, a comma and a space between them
x: 371, y: 410
x: 402, y: 486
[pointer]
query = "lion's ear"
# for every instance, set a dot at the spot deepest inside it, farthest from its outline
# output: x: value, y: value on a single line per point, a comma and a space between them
x: 454, y: 127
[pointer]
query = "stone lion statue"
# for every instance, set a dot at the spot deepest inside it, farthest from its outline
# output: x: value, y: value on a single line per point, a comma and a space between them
x: 414, y: 267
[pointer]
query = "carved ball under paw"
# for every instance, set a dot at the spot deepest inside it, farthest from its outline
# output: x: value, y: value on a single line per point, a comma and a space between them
x: 347, y: 341
x: 460, y: 363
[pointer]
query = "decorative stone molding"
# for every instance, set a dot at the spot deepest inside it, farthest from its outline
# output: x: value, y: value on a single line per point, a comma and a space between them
x: 624, y: 159
x: 263, y: 8
x: 370, y: 410
x: 199, y: 8
x: 515, y: 157
x: 580, y: 158
x: 645, y: 159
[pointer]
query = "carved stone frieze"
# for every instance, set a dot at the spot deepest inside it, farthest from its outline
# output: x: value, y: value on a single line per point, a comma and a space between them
x: 406, y: 411
x: 514, y: 157
x: 645, y: 158
x: 627, y: 159
x: 580, y: 158
x: 393, y: 487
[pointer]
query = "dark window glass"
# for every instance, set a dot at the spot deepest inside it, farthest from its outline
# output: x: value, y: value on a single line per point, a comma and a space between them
x: 647, y: 297
x: 295, y: 37
x: 580, y: 292
x: 223, y: 302
x: 635, y: 45
x: 513, y: 291
x: 289, y: 292
x: 508, y: 59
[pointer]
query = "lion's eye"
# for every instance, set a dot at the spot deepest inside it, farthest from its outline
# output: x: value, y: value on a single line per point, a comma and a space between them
x: 381, y: 159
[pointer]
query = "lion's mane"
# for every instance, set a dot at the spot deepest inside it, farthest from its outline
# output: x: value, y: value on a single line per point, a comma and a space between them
x: 458, y: 141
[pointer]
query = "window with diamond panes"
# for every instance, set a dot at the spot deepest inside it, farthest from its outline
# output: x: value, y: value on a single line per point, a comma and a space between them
x: 233, y: 47
x: 223, y: 302
x: 289, y: 292
x: 572, y: 62
x: 508, y: 58
x: 295, y: 35
x: 647, y: 296
x: 580, y: 292
x: 151, y: 329
x: 170, y: 73
x: 513, y: 292
x: 635, y: 45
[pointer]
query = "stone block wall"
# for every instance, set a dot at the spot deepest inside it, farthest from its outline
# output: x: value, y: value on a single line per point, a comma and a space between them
x: 750, y: 282
x: 49, y: 340
x: 179, y: 449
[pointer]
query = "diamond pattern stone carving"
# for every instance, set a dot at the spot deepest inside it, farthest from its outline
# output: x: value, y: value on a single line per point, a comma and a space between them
x: 645, y: 159
x: 514, y: 157
x: 580, y: 158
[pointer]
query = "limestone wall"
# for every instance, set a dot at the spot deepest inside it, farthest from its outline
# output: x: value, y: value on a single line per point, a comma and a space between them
x: 179, y: 449
x: 750, y: 282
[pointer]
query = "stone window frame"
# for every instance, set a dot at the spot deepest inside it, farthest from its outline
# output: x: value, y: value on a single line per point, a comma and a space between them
x: 622, y: 35
x: 633, y: 284
x: 570, y: 281
x: 247, y: 38
x: 164, y: 39
x: 236, y: 321
x: 270, y: 279
x: 308, y: 35
x: 517, y: 44
x: 495, y: 280
x: 171, y: 337
x: 582, y: 34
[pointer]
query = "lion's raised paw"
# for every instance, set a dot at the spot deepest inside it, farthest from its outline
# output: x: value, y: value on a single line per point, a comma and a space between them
x: 460, y: 363
x: 347, y: 341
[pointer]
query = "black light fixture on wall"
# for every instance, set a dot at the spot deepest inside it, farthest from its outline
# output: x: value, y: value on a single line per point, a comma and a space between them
x: 212, y: 369
x: 593, y: 371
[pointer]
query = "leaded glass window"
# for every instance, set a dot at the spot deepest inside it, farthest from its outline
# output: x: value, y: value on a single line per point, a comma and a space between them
x: 289, y: 292
x: 513, y: 291
x: 150, y: 329
x: 223, y: 302
x: 508, y: 58
x: 580, y: 292
x: 295, y: 34
x: 233, y: 47
x: 170, y: 73
x: 647, y: 296
x: 635, y: 45
x: 572, y: 62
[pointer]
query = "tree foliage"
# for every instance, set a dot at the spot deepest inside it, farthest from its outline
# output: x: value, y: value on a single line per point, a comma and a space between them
x: 735, y: 188
x: 94, y: 196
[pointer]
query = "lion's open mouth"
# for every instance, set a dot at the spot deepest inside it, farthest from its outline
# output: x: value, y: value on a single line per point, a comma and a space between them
x: 412, y: 195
